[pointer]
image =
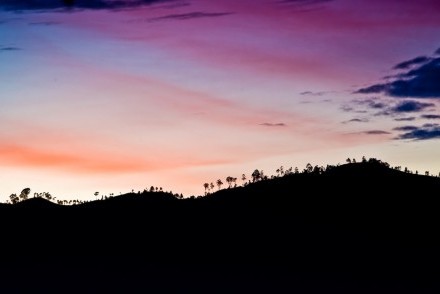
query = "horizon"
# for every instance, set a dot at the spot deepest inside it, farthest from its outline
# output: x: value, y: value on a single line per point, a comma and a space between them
x: 366, y: 167
x: 113, y: 96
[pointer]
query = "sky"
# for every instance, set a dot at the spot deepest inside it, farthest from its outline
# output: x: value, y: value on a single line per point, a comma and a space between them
x: 109, y: 96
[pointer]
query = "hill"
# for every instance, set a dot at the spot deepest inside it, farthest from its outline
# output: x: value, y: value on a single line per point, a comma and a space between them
x: 355, y: 228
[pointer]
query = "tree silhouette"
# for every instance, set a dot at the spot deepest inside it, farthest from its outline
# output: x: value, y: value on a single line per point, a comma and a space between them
x: 309, y: 168
x: 25, y: 194
x: 243, y: 178
x: 256, y: 175
x: 14, y: 198
x: 47, y: 195
x: 230, y: 181
x: 219, y: 183
x: 206, y: 186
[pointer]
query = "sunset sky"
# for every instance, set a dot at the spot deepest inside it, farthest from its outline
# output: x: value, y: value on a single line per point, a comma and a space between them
x: 110, y: 96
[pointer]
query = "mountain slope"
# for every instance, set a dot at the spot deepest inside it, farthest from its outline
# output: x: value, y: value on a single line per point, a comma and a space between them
x: 359, y: 227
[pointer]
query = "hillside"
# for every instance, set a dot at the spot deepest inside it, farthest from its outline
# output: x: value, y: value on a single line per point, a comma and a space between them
x: 356, y: 228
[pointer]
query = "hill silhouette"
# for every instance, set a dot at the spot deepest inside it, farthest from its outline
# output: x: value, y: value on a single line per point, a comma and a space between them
x: 355, y: 228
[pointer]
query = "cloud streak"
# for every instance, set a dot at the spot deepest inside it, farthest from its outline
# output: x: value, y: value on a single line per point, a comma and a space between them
x: 405, y: 118
x: 57, y: 5
x: 405, y: 128
x: 10, y: 49
x: 273, y: 124
x: 188, y: 16
x: 44, y: 23
x: 356, y: 120
x: 376, y: 132
x: 430, y: 116
x: 412, y: 62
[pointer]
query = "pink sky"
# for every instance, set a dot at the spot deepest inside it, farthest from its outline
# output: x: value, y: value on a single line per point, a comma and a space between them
x: 178, y: 95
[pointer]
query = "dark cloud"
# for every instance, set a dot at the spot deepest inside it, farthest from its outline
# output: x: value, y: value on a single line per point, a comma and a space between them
x: 273, y: 125
x: 406, y: 128
x: 26, y: 5
x: 9, y: 48
x: 405, y: 118
x: 376, y: 132
x: 410, y: 63
x: 411, y: 106
x: 437, y: 52
x: 421, y: 80
x: 191, y: 15
x: 430, y: 116
x: 425, y: 132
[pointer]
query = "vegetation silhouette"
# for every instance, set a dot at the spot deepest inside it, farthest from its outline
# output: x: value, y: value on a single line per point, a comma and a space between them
x: 359, y: 227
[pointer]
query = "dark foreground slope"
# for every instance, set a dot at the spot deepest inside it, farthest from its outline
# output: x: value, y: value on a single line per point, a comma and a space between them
x: 358, y: 228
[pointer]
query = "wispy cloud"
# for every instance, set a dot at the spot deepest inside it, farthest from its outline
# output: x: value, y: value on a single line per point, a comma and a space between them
x: 311, y: 93
x: 273, y: 124
x: 371, y: 103
x: 191, y: 15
